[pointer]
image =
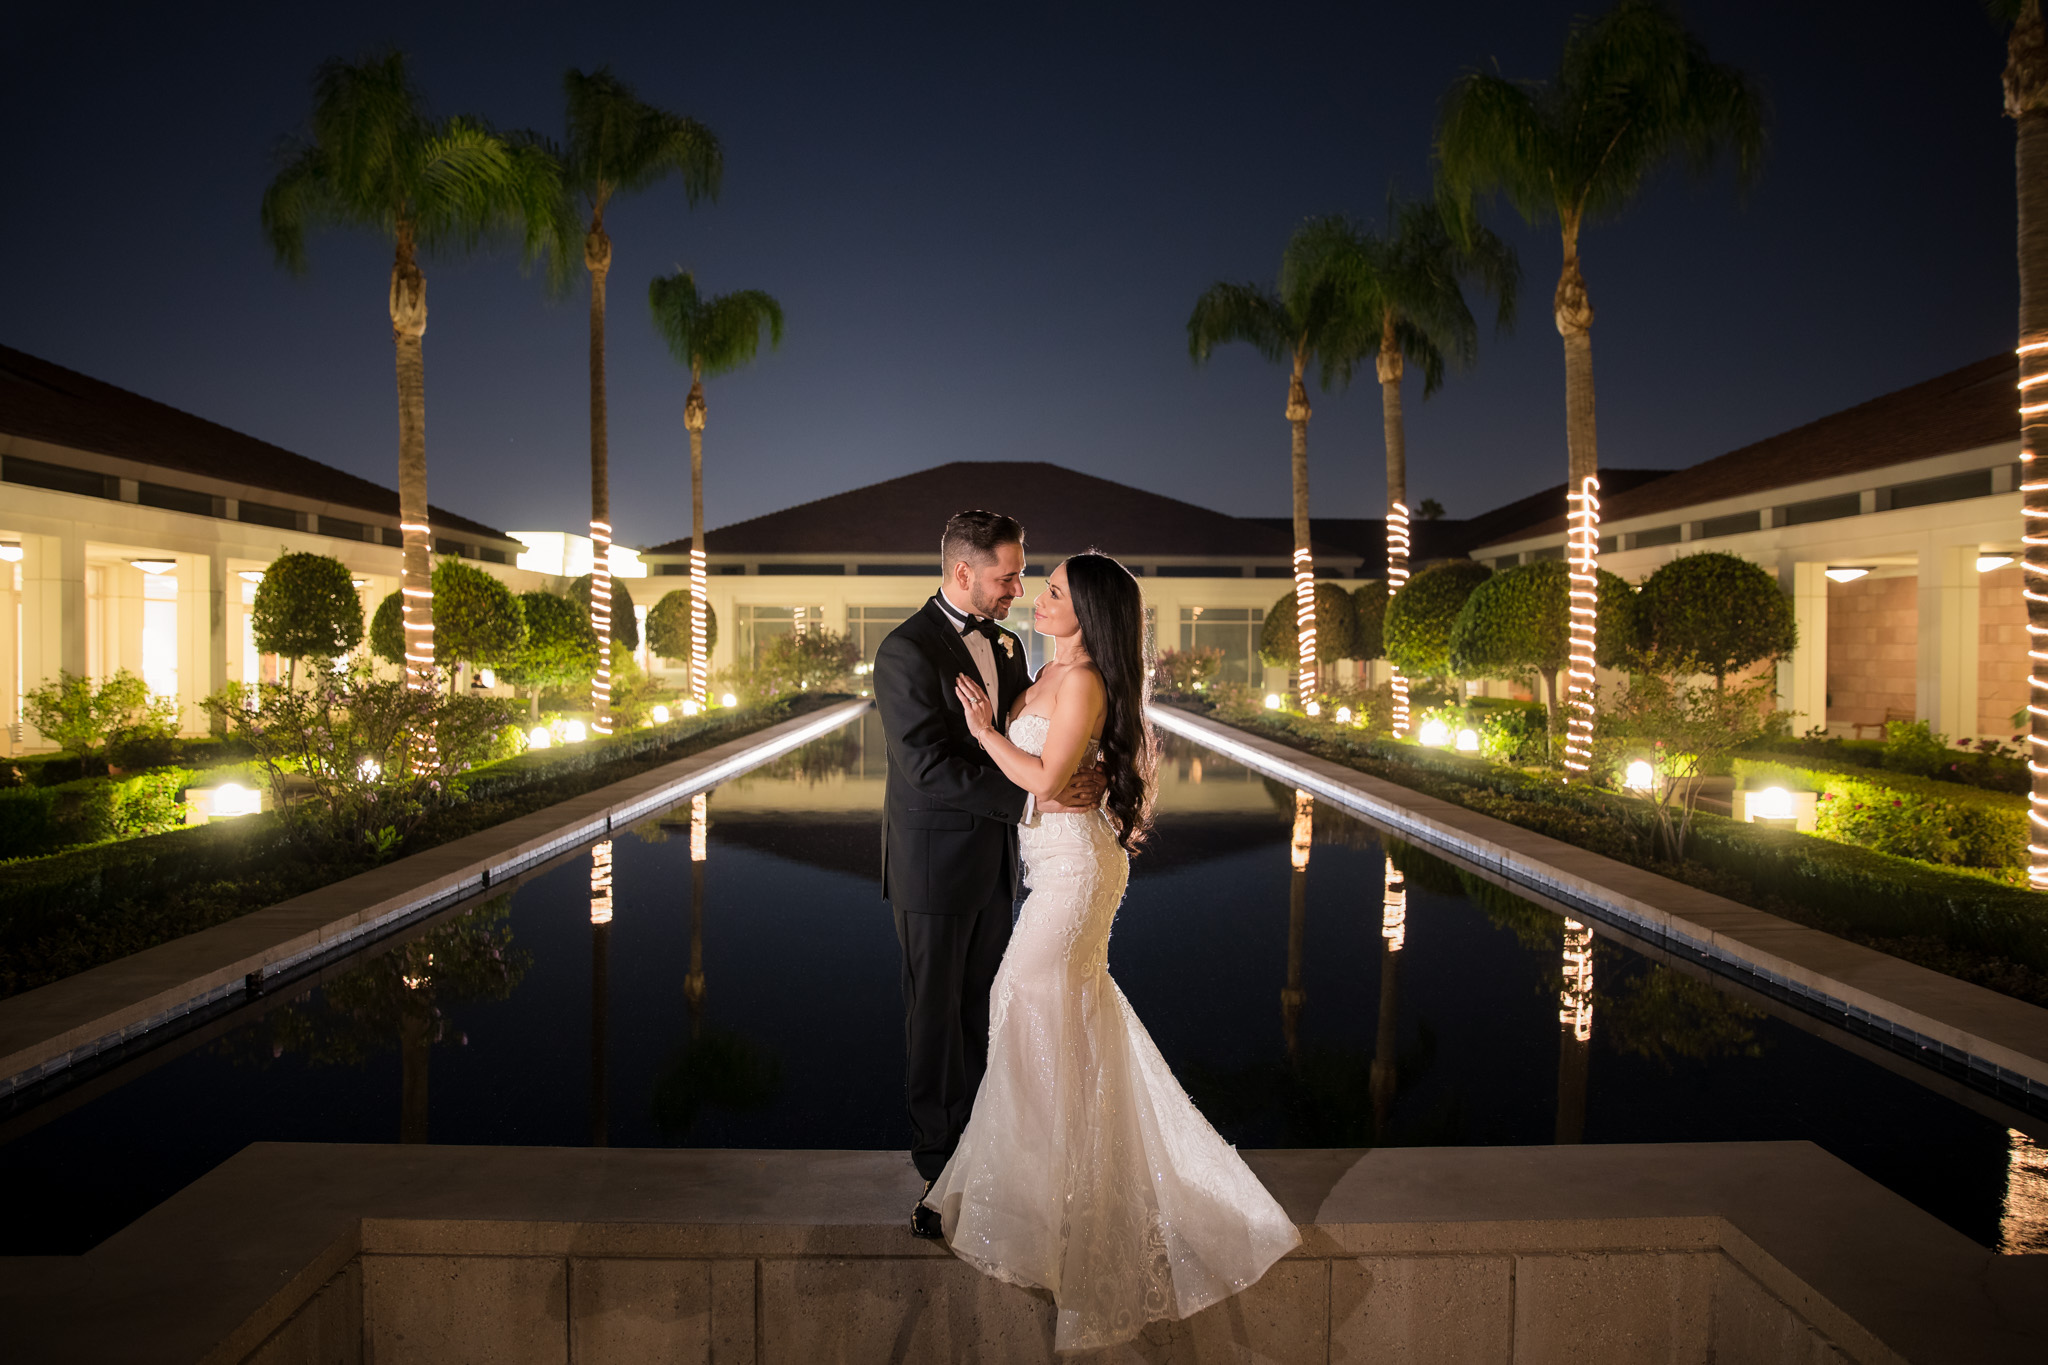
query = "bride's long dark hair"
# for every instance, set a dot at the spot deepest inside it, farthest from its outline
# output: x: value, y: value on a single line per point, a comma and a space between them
x: 1111, y: 608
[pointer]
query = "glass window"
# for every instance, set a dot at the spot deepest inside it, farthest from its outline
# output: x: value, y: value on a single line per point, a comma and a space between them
x: 759, y: 625
x: 869, y: 626
x: 1234, y: 630
x: 160, y: 635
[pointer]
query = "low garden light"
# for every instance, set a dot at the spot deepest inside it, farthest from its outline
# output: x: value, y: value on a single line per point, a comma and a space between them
x: 1434, y: 733
x: 1272, y: 701
x: 539, y: 738
x: 1639, y: 777
x: 691, y: 708
x: 660, y: 714
x: 486, y: 678
x: 575, y: 732
x: 728, y: 700
x: 1468, y: 741
x: 1315, y: 708
x: 1343, y: 715
x: 1778, y: 806
x: 369, y: 770
x: 1772, y: 803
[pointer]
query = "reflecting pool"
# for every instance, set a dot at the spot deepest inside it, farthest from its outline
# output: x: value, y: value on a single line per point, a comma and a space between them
x: 726, y: 976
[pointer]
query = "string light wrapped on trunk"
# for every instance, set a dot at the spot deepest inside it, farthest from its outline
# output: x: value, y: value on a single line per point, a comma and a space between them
x: 1305, y: 621
x: 1582, y: 551
x: 699, y: 628
x: 1575, y: 1002
x: 601, y: 622
x: 2033, y: 358
x: 1398, y: 545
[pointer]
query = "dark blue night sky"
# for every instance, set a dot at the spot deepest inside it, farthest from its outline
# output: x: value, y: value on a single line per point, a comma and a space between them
x: 988, y: 232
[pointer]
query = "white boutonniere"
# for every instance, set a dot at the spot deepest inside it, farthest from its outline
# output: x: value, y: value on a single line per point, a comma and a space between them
x: 1009, y: 644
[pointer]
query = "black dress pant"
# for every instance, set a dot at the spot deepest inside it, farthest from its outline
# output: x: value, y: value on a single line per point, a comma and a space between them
x: 949, y: 967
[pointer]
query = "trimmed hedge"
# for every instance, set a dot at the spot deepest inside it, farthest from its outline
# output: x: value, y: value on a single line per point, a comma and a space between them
x: 1912, y: 817
x: 36, y: 821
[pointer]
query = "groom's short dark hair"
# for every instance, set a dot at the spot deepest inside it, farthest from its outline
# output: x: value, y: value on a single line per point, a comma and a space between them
x: 974, y: 535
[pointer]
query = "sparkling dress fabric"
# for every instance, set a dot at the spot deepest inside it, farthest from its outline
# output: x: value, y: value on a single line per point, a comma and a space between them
x: 1085, y: 1169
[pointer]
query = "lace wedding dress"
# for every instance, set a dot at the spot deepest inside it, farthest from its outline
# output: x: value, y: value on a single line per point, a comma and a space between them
x: 1085, y: 1169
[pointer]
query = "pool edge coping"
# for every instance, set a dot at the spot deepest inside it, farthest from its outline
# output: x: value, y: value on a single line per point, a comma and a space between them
x: 1802, y: 962
x: 57, y: 1025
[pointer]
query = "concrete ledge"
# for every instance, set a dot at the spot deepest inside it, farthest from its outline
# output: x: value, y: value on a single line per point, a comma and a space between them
x: 2002, y: 1039
x: 47, y: 1029
x: 1728, y: 1251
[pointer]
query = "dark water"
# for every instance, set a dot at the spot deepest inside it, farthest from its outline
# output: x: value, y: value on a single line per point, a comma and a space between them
x: 749, y: 999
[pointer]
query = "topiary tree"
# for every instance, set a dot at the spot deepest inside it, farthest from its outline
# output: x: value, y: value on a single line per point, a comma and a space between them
x: 1336, y: 629
x: 560, y: 648
x: 306, y: 608
x: 387, y: 630
x: 1712, y: 613
x: 1419, y: 618
x: 668, y: 626
x: 1519, y: 622
x: 625, y: 629
x: 1369, y: 614
x: 477, y: 619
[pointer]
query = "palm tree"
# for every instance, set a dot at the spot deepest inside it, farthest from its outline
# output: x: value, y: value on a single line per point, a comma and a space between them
x: 1312, y: 319
x: 619, y: 145
x: 712, y: 336
x: 1632, y: 90
x: 2026, y: 100
x: 372, y: 158
x: 1412, y: 298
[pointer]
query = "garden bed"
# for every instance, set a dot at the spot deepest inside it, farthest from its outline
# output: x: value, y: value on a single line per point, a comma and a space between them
x: 1963, y: 923
x: 65, y: 913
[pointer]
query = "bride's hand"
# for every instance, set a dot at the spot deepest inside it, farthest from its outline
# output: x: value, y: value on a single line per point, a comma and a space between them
x: 974, y: 704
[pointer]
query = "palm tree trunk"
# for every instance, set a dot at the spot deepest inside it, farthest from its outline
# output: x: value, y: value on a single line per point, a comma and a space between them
x: 1393, y: 937
x: 1574, y: 315
x: 408, y: 328
x: 693, y: 418
x: 1390, y: 369
x: 597, y: 257
x: 2026, y: 100
x: 1304, y: 560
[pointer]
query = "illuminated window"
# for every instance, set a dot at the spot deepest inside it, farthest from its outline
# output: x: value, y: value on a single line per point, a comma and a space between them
x: 160, y: 634
x: 1234, y: 630
x: 758, y: 625
x: 869, y: 626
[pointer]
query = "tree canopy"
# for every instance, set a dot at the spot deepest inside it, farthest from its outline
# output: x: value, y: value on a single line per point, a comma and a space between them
x: 620, y: 144
x: 387, y: 630
x: 1369, y: 615
x: 306, y: 608
x: 560, y: 649
x: 668, y: 626
x: 477, y: 619
x: 1712, y: 613
x: 625, y: 625
x: 714, y: 335
x: 1420, y: 616
x: 1336, y: 628
x: 1519, y: 621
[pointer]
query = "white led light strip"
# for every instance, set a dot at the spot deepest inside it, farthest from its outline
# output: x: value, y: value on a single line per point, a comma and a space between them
x: 1305, y: 617
x: 601, y: 882
x: 1394, y: 913
x: 601, y: 622
x: 1575, y: 1001
x: 1582, y: 540
x: 2033, y: 358
x: 1398, y: 545
x: 700, y: 661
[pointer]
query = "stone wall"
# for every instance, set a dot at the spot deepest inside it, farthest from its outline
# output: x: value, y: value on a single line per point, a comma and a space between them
x: 1873, y: 635
x: 2001, y: 650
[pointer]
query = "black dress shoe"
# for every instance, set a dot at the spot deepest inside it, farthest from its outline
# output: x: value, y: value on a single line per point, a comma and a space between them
x: 925, y: 1221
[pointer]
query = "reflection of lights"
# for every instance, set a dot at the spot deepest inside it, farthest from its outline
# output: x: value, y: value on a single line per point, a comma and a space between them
x: 691, y: 708
x: 1272, y: 701
x: 1772, y: 803
x: 369, y: 770
x: 1845, y: 575
x: 1343, y: 715
x: 413, y: 983
x: 1394, y: 914
x: 1315, y: 708
x: 2023, y: 1225
x: 728, y: 700
x: 1434, y: 733
x: 539, y: 738
x: 574, y: 732
x: 601, y: 621
x: 1575, y: 1002
x: 699, y: 822
x: 155, y: 566
x: 1195, y: 770
x: 1986, y: 563
x: 660, y: 714
x: 861, y: 670
x: 601, y: 882
x: 1583, y: 539
x: 1304, y: 828
x: 1468, y: 741
x: 1640, y: 777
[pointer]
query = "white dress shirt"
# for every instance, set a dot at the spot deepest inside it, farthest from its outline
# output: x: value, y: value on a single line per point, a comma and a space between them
x: 984, y: 656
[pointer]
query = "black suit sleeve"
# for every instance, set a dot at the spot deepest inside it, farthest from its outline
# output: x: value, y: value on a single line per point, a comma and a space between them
x: 914, y: 700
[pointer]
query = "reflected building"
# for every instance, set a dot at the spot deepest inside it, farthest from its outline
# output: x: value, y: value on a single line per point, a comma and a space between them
x: 1574, y: 1031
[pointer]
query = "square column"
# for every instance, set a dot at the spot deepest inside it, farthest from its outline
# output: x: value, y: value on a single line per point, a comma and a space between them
x: 202, y: 637
x: 1803, y: 678
x: 52, y: 614
x: 1946, y: 674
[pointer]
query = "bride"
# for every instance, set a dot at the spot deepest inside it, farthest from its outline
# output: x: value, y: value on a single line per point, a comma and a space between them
x: 1085, y: 1169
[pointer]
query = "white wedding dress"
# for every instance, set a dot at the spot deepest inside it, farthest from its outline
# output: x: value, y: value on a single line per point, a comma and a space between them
x: 1085, y: 1169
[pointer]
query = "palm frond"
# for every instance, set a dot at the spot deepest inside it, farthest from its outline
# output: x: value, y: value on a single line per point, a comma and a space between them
x: 297, y: 199
x: 1239, y: 312
x: 1492, y: 137
x: 618, y: 142
x: 675, y: 303
x: 716, y: 335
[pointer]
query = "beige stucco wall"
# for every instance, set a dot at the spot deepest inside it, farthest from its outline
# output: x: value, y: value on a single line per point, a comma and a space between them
x: 2001, y: 650
x: 1873, y: 648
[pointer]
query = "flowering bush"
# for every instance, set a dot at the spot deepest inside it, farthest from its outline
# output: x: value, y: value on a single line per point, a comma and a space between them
x: 1184, y: 672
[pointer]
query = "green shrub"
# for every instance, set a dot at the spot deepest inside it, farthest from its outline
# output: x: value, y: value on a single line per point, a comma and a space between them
x: 668, y: 626
x: 37, y: 821
x: 1910, y: 817
x: 1336, y: 629
x: 1419, y: 618
x: 82, y: 717
x: 477, y: 619
x: 1515, y: 732
x: 560, y: 648
x: 306, y: 608
x: 1518, y: 622
x: 387, y: 630
x: 1712, y: 613
x: 625, y: 625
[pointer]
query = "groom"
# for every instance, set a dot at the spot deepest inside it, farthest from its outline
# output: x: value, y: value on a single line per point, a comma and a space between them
x: 949, y: 826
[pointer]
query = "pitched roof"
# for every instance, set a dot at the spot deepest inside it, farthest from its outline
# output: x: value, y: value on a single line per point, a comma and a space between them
x: 47, y: 402
x: 1961, y: 410
x: 1062, y: 510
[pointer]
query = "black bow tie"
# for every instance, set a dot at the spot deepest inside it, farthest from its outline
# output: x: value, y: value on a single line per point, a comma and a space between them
x: 982, y: 626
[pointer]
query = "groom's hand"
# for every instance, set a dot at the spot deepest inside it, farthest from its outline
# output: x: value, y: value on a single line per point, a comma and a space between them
x: 1082, y: 792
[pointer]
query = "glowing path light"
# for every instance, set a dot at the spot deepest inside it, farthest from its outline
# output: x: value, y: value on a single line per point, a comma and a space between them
x: 1575, y: 1001
x: 700, y: 661
x: 601, y: 882
x: 601, y: 622
x: 1398, y: 545
x: 2033, y: 358
x: 1583, y: 555
x: 1305, y: 619
x: 1394, y: 912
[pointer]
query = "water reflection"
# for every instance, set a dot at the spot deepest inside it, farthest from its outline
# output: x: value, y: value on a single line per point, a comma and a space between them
x: 2023, y: 1224
x: 1393, y: 938
x: 600, y: 986
x: 1574, y: 1031
x: 1291, y: 996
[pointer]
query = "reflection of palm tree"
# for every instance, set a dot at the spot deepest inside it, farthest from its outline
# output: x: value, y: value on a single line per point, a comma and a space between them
x: 415, y: 1050
x: 716, y: 1067
x: 600, y: 984
x: 1292, y: 998
x: 1574, y: 1031
x: 693, y: 982
x: 1393, y: 937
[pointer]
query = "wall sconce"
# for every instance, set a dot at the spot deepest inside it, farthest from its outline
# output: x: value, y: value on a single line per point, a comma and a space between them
x: 1846, y: 575
x: 1986, y: 563
x: 250, y: 575
x: 153, y: 566
x: 10, y: 551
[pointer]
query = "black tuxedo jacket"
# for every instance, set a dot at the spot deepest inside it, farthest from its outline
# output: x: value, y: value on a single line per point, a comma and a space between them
x: 949, y: 817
